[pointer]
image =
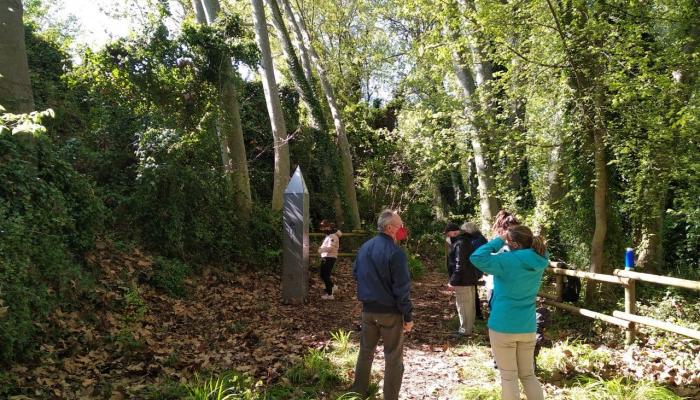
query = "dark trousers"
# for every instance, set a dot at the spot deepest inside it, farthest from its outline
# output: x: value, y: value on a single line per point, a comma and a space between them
x: 327, y: 264
x: 477, y: 303
x: 389, y: 327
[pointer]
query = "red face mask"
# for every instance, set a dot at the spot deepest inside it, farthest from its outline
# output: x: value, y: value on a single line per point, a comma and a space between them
x: 401, y: 234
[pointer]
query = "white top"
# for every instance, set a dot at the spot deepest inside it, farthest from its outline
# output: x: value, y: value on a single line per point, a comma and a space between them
x: 329, y: 247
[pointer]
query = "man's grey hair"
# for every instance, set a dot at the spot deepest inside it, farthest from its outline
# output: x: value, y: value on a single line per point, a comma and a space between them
x: 384, y: 219
x: 470, y: 227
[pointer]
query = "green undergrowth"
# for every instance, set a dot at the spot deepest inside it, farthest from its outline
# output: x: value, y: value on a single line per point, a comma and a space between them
x: 169, y: 276
x: 588, y: 388
x: 416, y: 267
x: 479, y: 393
x: 568, y: 371
x: 49, y: 216
x: 566, y: 359
x: 318, y: 374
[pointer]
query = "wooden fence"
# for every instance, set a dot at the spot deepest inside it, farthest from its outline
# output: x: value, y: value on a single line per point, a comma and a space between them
x: 355, y: 236
x: 627, y: 319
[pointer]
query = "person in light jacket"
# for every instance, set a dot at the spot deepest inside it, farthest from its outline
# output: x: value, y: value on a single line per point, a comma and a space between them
x: 512, y: 327
x: 329, y: 254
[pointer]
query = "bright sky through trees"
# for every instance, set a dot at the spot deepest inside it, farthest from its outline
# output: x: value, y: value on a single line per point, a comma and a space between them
x: 96, y: 26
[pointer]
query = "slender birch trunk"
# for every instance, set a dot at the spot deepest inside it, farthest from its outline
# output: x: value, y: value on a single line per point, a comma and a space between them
x: 274, y: 107
x: 478, y: 75
x: 301, y: 83
x: 488, y: 203
x: 299, y: 42
x: 343, y: 144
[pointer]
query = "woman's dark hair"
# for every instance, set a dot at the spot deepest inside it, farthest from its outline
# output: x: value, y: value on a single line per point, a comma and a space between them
x: 326, y: 226
x: 522, y: 235
x: 503, y: 221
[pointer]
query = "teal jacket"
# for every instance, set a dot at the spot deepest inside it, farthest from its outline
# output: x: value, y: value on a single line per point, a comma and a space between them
x: 516, y: 279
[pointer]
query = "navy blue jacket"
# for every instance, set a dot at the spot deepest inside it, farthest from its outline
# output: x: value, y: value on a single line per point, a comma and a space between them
x: 383, y: 280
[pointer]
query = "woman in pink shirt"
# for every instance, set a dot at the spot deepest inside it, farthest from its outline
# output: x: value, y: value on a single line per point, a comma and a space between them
x: 329, y: 253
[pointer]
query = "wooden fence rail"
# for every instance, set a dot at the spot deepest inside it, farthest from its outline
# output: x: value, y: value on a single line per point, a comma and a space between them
x: 350, y: 234
x: 627, y: 319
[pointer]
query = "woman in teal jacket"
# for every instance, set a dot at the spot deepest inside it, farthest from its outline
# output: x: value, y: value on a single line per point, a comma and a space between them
x: 517, y: 275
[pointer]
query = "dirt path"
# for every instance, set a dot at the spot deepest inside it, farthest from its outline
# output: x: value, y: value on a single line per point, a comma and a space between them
x: 434, y: 362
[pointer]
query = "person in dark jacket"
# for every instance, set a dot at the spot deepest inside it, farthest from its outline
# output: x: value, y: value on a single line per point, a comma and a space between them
x: 476, y: 239
x: 463, y: 277
x: 384, y: 288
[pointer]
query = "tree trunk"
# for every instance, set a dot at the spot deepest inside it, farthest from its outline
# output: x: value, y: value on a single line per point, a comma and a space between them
x: 546, y: 205
x: 299, y: 40
x: 15, y: 85
x: 343, y: 144
x: 229, y: 128
x: 650, y: 259
x: 274, y: 107
x: 487, y: 201
x: 302, y: 85
x: 438, y: 202
x: 599, y: 203
x: 237, y: 166
x: 199, y: 14
x: 516, y: 118
x: 470, y: 79
x: 211, y: 10
x: 456, y: 187
x: 583, y: 72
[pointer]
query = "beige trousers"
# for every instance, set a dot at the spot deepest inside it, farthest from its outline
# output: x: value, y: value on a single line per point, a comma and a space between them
x: 515, y: 357
x: 465, y: 308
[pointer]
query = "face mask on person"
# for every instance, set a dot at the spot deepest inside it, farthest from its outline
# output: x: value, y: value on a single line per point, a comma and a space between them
x: 401, y: 234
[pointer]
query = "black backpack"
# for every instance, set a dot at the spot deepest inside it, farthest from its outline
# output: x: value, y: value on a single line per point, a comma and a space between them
x: 572, y: 287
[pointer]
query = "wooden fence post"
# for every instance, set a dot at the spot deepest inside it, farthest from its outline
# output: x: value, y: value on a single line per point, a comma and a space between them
x: 630, y: 308
x: 559, y: 286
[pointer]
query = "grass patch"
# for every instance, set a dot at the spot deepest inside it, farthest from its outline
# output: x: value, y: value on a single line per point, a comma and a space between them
x: 479, y: 393
x: 478, y: 367
x: 571, y: 358
x: 315, y: 369
x: 619, y: 389
x: 341, y: 340
x: 322, y: 373
x: 229, y: 386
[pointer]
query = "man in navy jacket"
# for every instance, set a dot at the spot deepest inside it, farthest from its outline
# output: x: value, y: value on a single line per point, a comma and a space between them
x: 384, y: 288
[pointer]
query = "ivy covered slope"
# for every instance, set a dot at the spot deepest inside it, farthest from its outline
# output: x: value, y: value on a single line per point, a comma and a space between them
x: 50, y: 215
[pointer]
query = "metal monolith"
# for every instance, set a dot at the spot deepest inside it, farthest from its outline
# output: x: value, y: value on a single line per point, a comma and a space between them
x: 295, y: 241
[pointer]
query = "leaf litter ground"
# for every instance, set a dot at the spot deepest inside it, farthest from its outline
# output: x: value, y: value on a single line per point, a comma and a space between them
x: 126, y: 338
